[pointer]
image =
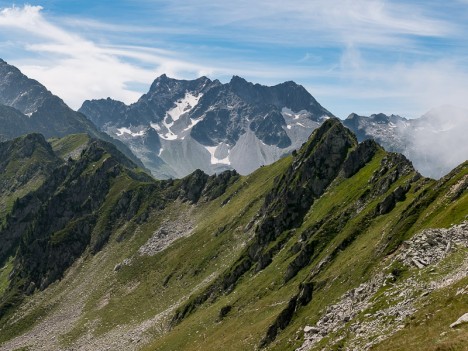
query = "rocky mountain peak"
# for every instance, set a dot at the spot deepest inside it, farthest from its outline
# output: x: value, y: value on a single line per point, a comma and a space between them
x: 239, y: 81
x: 352, y: 116
x: 380, y: 118
x: 332, y: 138
x: 209, y: 125
x: 166, y: 85
x: 19, y: 91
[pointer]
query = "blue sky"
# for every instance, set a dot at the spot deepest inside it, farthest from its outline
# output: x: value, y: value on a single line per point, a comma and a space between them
x: 363, y: 56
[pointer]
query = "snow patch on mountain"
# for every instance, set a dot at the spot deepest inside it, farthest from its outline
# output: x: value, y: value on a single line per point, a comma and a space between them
x: 287, y: 112
x: 298, y: 127
x: 296, y: 121
x: 123, y: 130
x: 217, y: 153
x: 192, y: 124
x: 183, y: 106
x: 169, y: 135
x: 155, y: 126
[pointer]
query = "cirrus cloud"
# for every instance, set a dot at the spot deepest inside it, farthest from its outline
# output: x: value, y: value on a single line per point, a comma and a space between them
x: 361, y: 56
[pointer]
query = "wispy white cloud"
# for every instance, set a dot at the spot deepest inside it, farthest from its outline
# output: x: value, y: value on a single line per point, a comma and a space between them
x: 439, y: 143
x: 77, y: 68
x: 356, y: 55
x: 408, y: 89
x: 358, y: 22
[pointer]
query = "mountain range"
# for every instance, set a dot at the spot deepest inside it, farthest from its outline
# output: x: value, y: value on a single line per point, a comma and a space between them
x: 298, y: 235
x: 180, y: 126
x: 203, y: 124
x: 26, y: 106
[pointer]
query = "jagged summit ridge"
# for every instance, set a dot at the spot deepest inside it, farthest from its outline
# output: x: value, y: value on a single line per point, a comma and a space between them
x: 209, y: 125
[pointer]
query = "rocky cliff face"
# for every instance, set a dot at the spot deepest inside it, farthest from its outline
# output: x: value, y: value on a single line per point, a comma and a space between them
x: 208, y: 125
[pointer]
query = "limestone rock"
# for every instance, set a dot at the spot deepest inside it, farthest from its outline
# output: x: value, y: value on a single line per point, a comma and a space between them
x: 462, y: 320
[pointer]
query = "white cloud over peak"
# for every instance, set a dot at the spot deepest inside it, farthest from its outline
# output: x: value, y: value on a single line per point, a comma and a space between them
x: 361, y: 56
x: 76, y: 68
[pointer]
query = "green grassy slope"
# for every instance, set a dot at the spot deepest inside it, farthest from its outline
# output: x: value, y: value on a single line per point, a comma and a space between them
x: 344, y: 241
x: 25, y: 163
x: 241, y: 263
x: 70, y: 146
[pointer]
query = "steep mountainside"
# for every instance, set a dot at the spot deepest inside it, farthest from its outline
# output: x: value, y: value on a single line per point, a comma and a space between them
x: 208, y: 125
x: 14, y: 123
x: 340, y: 245
x: 54, y: 221
x: 24, y: 164
x: 32, y: 108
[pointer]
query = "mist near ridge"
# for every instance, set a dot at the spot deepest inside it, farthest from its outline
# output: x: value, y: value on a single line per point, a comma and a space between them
x: 438, y: 141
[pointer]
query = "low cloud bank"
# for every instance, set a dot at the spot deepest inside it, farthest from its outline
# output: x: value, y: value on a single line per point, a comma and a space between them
x: 438, y: 141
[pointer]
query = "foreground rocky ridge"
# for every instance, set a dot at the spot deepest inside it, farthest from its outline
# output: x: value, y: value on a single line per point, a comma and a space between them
x: 402, y: 294
x: 327, y: 237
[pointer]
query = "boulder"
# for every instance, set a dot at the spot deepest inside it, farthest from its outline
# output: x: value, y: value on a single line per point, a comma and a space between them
x: 462, y: 320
